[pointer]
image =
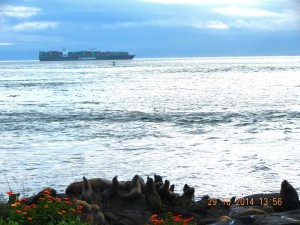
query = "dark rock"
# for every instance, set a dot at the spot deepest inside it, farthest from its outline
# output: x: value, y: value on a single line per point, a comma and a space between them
x: 127, y: 217
x: 236, y: 211
x: 258, y: 209
x: 283, y: 218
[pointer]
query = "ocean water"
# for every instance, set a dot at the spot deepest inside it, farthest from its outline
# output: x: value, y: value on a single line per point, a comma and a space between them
x: 226, y: 126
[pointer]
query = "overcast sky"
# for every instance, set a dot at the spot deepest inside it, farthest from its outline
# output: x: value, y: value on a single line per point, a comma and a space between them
x: 150, y: 28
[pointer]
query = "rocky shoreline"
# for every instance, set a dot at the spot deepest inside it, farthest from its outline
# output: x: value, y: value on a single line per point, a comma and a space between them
x: 133, y: 202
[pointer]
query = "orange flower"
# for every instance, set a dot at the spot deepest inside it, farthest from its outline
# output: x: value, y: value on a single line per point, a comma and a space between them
x: 68, y: 203
x: 63, y: 211
x: 33, y: 206
x: 46, y: 207
x: 10, y: 193
x: 58, y: 199
x: 23, y: 200
x: 29, y: 218
x: 24, y: 213
x: 66, y: 199
x: 15, y: 204
x: 41, y: 199
x: 18, y: 211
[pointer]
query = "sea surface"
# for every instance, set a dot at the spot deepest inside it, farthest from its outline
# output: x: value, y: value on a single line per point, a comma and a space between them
x: 226, y: 126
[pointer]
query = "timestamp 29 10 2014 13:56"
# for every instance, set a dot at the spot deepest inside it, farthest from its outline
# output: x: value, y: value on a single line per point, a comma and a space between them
x: 245, y: 201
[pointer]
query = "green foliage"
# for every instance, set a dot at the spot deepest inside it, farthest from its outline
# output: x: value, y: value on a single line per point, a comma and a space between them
x: 171, y: 220
x: 4, y: 210
x: 2, y: 222
x: 46, y: 210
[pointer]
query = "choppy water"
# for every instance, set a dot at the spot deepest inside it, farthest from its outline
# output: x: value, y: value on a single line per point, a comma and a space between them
x: 227, y: 126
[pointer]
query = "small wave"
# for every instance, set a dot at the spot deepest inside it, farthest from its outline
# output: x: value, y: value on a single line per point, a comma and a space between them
x: 242, y: 119
x: 31, y: 168
x: 261, y: 167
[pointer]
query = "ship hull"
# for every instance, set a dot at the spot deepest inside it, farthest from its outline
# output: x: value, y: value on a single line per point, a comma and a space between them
x: 129, y: 57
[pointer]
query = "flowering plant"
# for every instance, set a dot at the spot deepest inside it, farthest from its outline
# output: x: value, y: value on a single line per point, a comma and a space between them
x: 171, y: 220
x: 45, y: 210
x: 12, y: 197
x: 2, y: 222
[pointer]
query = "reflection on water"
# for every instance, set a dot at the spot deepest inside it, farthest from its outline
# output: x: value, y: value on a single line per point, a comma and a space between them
x: 228, y: 126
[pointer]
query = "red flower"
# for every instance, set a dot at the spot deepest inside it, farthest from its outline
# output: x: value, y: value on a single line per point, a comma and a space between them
x: 47, y: 192
x: 49, y: 197
x: 187, y: 220
x: 10, y: 193
x: 157, y: 222
x: 29, y: 218
x: 177, y: 218
x: 153, y: 216
x: 26, y: 207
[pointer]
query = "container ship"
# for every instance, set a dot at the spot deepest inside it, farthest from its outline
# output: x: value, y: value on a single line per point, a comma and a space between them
x: 66, y: 55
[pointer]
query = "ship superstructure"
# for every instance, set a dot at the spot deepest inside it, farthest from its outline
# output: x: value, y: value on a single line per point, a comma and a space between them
x: 67, y: 55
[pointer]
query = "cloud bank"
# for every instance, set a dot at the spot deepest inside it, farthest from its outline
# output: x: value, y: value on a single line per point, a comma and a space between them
x: 32, y: 26
x: 20, y: 12
x: 245, y: 12
x: 174, y: 27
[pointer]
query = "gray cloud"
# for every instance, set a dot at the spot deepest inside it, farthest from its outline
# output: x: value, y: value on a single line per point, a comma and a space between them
x: 296, y: 2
